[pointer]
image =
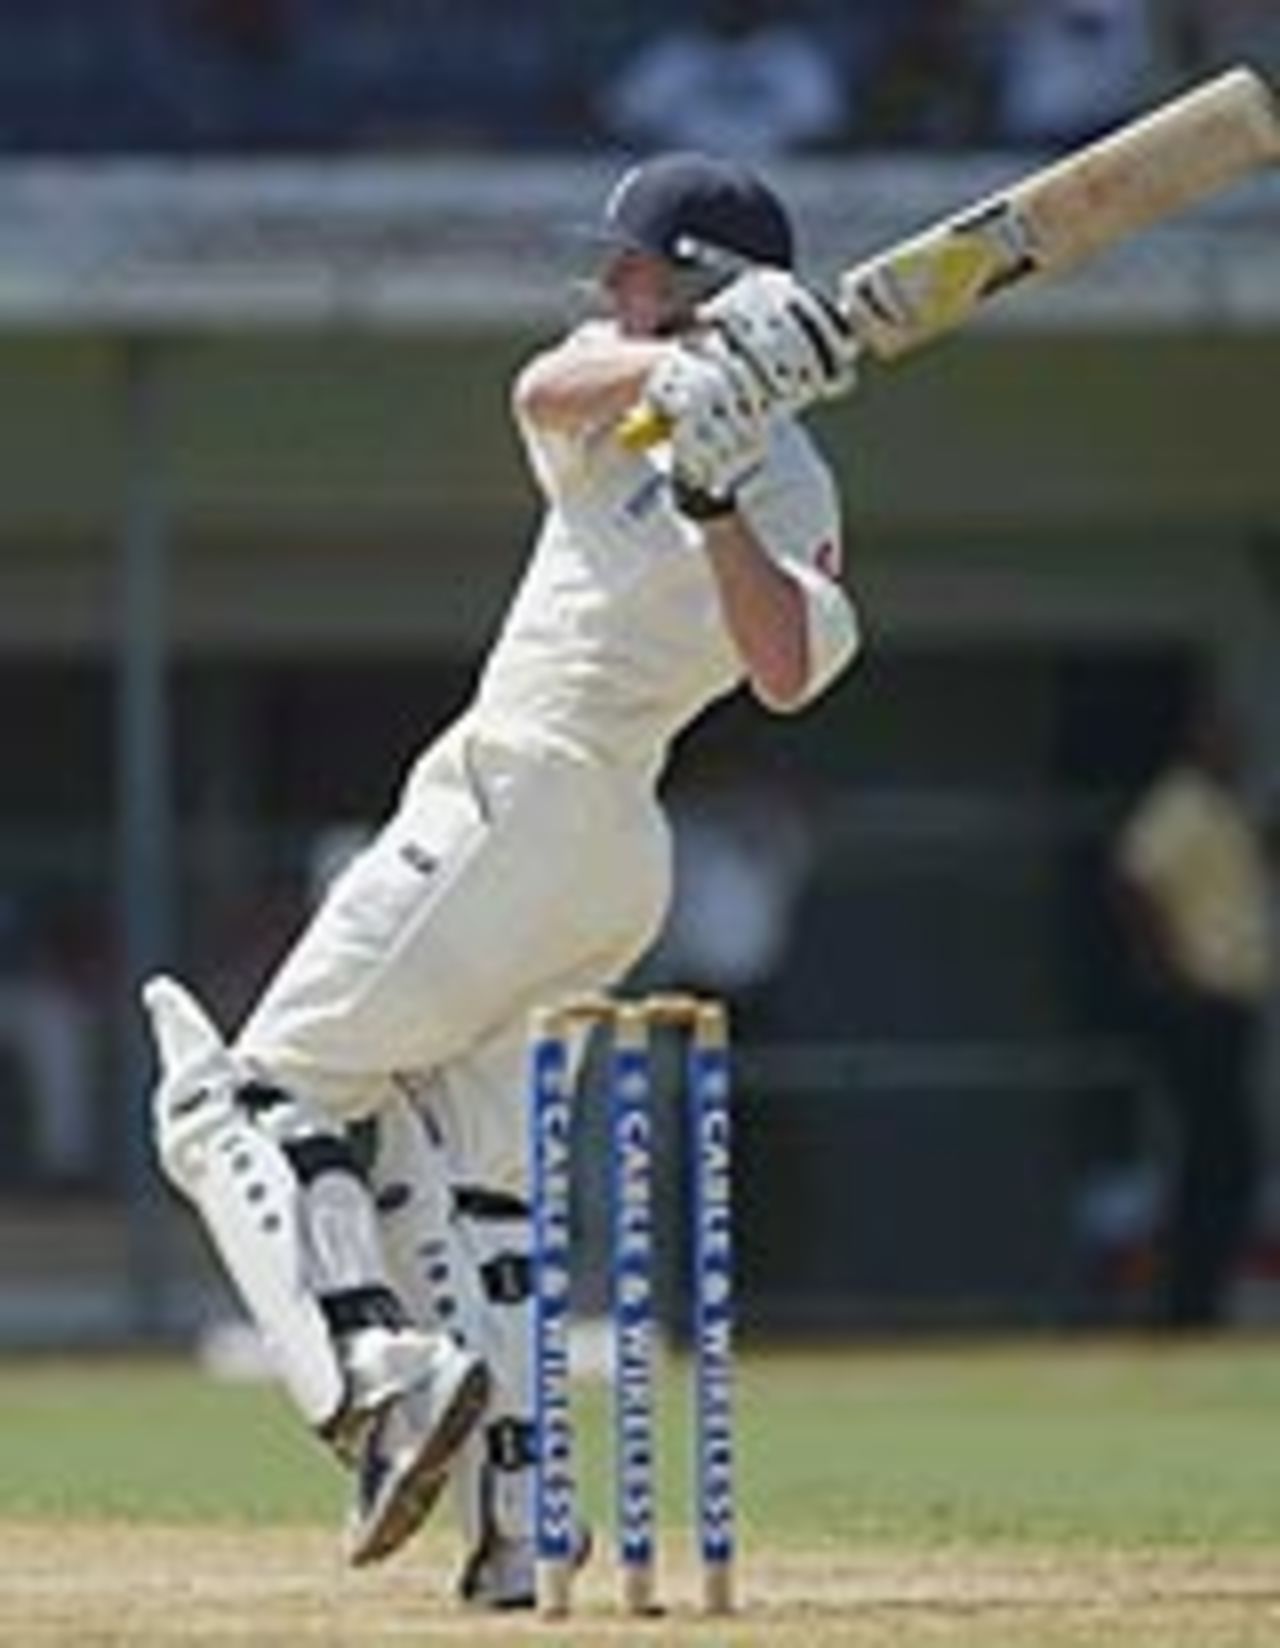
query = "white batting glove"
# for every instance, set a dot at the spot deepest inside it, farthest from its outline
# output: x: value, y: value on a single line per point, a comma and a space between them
x: 801, y: 347
x: 715, y: 410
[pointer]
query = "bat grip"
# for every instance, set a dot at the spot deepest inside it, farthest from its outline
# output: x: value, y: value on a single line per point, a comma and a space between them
x: 644, y: 426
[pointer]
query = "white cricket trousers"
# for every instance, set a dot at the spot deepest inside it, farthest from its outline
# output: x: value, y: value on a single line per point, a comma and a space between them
x: 510, y: 875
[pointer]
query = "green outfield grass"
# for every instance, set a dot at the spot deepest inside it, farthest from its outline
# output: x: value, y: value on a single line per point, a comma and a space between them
x: 1131, y: 1444
x: 868, y: 1471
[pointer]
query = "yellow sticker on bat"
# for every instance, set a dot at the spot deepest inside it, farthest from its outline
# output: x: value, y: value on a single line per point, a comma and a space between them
x: 938, y: 285
x: 936, y: 280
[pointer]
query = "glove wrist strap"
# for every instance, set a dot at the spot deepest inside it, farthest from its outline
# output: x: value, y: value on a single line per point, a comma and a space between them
x: 697, y: 505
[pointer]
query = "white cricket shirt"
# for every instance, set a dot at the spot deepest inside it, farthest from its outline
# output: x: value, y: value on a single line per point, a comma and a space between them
x: 615, y: 640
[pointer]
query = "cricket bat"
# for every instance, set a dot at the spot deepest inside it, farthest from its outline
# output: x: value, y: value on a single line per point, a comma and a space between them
x: 1053, y: 220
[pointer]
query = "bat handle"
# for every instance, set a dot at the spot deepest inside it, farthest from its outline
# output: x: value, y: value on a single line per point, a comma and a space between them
x: 644, y: 426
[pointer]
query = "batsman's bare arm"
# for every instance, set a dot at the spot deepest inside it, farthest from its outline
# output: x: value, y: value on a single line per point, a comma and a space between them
x: 764, y: 611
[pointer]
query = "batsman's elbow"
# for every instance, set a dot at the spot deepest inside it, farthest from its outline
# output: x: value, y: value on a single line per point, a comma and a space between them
x: 833, y: 639
x: 556, y: 388
x: 535, y: 396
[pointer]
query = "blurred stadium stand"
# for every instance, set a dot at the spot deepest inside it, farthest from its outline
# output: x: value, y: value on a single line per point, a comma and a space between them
x: 279, y: 76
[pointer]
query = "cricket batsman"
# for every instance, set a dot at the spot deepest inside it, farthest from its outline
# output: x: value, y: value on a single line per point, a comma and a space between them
x: 528, y: 860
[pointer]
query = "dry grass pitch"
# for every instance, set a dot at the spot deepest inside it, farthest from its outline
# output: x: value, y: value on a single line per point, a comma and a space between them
x: 126, y: 1586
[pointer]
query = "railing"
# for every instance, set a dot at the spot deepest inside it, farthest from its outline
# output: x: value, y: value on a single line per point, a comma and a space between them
x: 147, y: 245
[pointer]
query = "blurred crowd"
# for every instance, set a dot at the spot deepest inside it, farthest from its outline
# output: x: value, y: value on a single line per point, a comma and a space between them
x: 753, y: 76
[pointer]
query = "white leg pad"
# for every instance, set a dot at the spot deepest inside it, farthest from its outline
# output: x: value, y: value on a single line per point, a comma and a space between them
x: 461, y: 1262
x: 492, y: 1483
x: 249, y: 1199
x: 409, y: 1178
x: 284, y: 1242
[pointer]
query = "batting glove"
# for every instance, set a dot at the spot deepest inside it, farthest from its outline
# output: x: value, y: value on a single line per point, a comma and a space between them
x: 715, y: 413
x: 799, y: 345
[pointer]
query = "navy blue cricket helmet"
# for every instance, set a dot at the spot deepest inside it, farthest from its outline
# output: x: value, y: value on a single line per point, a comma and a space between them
x: 701, y: 214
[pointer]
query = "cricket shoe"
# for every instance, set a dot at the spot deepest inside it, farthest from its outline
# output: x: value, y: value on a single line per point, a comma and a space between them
x: 417, y: 1424
x: 501, y: 1573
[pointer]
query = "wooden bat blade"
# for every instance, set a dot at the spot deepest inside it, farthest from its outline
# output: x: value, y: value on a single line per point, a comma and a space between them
x: 1047, y: 223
